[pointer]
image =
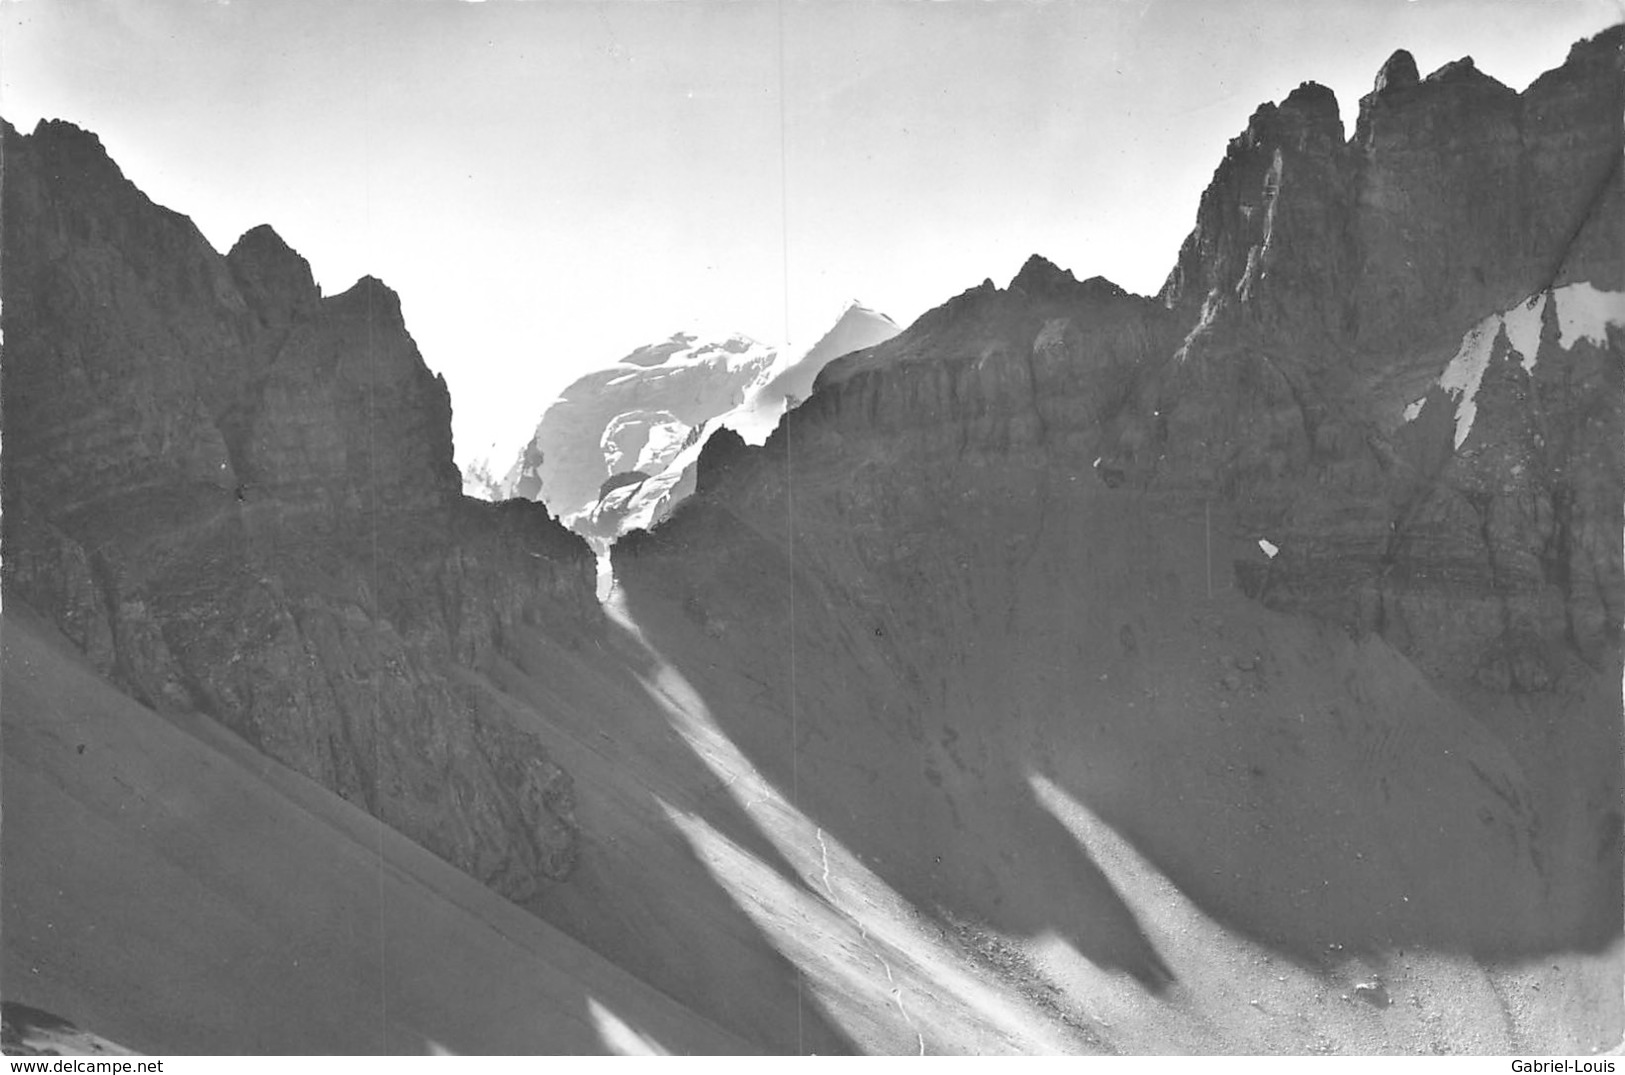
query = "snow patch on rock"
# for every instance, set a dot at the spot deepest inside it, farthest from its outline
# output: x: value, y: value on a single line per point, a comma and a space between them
x: 1466, y: 371
x: 1523, y: 328
x: 666, y: 439
x: 1583, y: 313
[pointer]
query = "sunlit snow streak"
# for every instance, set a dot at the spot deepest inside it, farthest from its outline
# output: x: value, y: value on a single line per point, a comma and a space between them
x: 619, y: 1038
x: 823, y: 851
x: 1222, y: 979
x: 1163, y: 909
x: 848, y: 931
x: 606, y: 572
x: 1215, y: 976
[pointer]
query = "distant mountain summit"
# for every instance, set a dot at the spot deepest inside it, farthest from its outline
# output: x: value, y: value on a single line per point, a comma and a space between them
x: 616, y: 450
x: 858, y: 328
x: 633, y: 415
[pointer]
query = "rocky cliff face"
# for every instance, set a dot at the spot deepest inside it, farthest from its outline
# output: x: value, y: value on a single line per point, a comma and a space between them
x: 237, y: 496
x: 1347, y: 295
x: 1394, y: 358
x: 1227, y: 559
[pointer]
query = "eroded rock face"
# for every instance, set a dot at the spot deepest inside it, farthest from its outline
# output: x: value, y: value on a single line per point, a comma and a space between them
x: 1054, y: 528
x: 1457, y: 204
x: 238, y: 496
x: 1394, y: 360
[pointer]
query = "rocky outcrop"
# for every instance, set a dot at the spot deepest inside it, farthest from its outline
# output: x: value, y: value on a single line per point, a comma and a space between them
x: 238, y: 496
x: 1045, y: 361
x: 1332, y: 286
x: 1327, y: 285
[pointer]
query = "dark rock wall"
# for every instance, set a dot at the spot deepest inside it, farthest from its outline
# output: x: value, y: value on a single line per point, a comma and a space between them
x: 1010, y: 541
x: 1327, y: 288
x: 238, y: 496
x: 1457, y: 199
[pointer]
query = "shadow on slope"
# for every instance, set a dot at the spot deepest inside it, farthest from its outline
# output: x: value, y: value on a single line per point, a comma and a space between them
x: 172, y: 889
x: 865, y: 752
x: 1308, y: 791
x: 889, y: 980
x: 641, y: 894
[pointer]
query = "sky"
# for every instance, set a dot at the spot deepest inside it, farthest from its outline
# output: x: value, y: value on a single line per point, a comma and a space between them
x: 550, y: 184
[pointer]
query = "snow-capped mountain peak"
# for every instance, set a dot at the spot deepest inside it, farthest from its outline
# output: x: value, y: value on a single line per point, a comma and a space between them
x: 649, y: 414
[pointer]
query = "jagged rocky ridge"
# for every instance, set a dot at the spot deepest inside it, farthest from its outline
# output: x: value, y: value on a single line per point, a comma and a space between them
x: 1295, y: 374
x: 1009, y: 541
x: 1332, y: 283
x: 237, y: 495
